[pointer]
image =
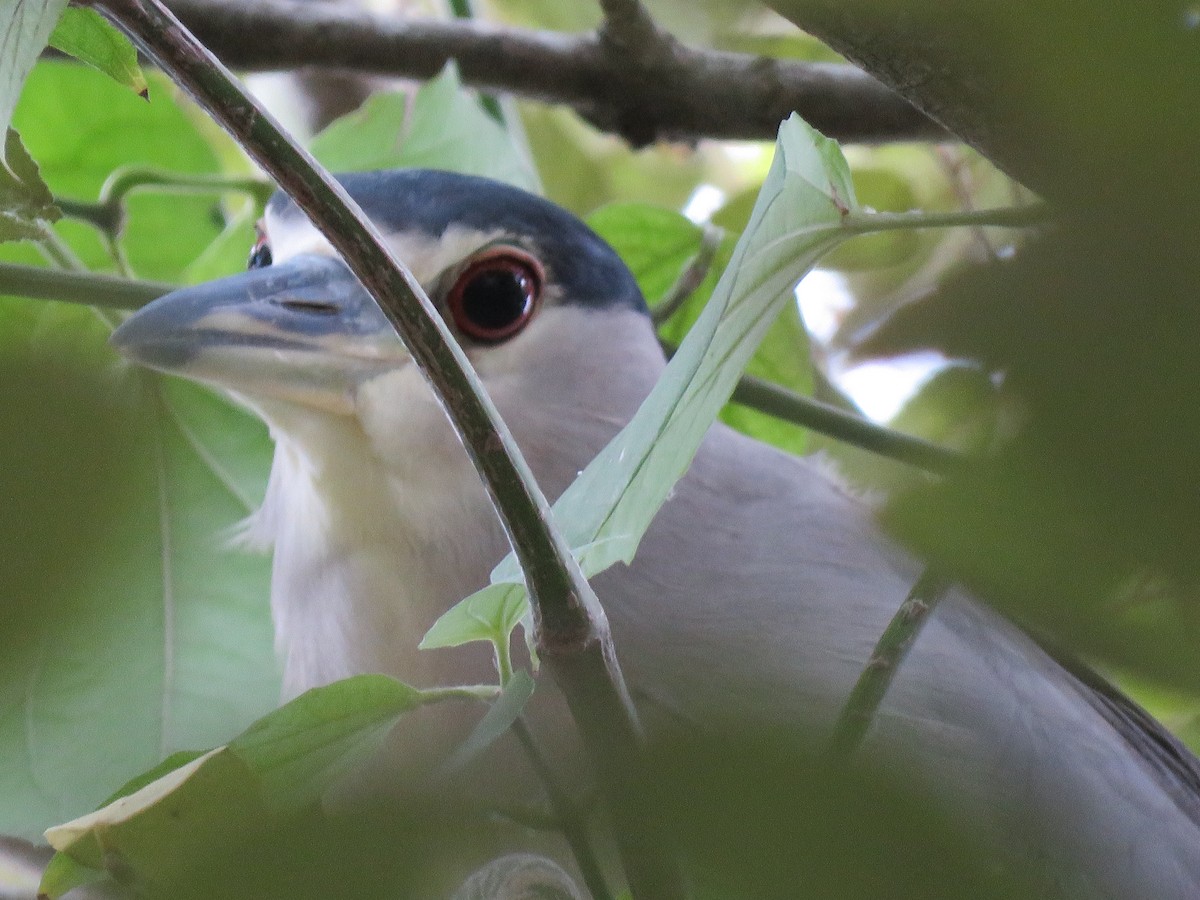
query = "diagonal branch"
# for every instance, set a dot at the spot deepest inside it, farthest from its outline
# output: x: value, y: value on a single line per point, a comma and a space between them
x: 686, y: 93
x: 573, y: 634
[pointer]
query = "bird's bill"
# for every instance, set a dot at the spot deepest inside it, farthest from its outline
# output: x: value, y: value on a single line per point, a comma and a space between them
x: 303, y: 331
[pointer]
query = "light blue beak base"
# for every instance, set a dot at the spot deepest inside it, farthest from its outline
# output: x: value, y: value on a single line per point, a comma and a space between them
x: 305, y: 304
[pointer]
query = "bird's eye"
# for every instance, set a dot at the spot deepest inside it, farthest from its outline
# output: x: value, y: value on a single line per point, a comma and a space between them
x: 260, y: 256
x: 496, y: 295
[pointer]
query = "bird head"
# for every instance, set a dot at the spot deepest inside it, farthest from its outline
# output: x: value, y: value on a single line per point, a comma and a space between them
x: 549, y: 316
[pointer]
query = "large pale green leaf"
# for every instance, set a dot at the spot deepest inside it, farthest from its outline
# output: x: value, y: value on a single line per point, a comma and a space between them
x: 280, y: 764
x: 25, y: 25
x: 158, y: 638
x: 442, y: 127
x: 798, y: 217
x: 658, y: 245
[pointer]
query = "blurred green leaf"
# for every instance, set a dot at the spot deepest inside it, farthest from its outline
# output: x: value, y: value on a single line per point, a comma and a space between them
x: 88, y: 36
x: 495, y: 722
x: 26, y: 207
x: 81, y: 126
x: 656, y: 244
x: 959, y: 407
x: 442, y: 127
x: 583, y: 169
x: 156, y: 638
x: 283, y: 762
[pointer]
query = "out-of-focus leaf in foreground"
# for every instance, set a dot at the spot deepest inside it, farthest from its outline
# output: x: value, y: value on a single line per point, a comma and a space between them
x: 279, y: 765
x: 133, y: 624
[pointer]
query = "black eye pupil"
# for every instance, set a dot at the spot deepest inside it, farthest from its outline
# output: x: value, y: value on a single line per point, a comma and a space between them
x: 260, y: 256
x: 496, y: 298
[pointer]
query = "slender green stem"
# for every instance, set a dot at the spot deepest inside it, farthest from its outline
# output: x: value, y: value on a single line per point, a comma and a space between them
x: 128, y: 179
x: 691, y: 277
x: 88, y: 288
x: 504, y: 666
x: 789, y: 406
x: 894, y: 644
x: 571, y: 819
x: 1004, y: 217
x: 484, y: 692
x: 57, y: 251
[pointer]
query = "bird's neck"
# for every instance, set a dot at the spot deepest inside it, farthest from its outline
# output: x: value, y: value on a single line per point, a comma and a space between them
x: 367, y: 558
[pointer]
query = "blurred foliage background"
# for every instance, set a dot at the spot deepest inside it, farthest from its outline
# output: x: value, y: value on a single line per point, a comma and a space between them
x: 1062, y: 356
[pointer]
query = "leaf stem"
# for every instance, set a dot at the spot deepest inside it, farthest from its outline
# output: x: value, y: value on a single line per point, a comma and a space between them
x: 88, y: 288
x: 484, y: 692
x: 503, y: 649
x: 691, y: 277
x: 1002, y: 217
x: 889, y: 652
x: 570, y: 819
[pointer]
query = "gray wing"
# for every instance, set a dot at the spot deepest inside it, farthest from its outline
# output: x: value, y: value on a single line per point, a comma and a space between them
x: 772, y: 586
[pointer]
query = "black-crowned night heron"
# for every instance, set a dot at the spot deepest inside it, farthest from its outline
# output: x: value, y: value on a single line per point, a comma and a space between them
x: 756, y: 597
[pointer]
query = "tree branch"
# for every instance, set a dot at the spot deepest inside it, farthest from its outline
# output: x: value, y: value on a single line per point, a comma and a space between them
x: 573, y: 635
x: 685, y: 94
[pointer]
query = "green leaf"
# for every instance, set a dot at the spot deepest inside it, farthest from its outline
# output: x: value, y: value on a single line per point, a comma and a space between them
x: 445, y: 128
x: 656, y: 244
x: 88, y: 36
x: 497, y: 720
x: 81, y: 127
x: 26, y: 207
x: 24, y: 27
x: 305, y: 746
x: 797, y: 218
x: 487, y: 615
x: 176, y: 652
x: 64, y: 874
x: 281, y: 763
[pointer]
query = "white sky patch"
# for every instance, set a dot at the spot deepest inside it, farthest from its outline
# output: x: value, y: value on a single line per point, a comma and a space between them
x: 823, y: 300
x: 879, y: 388
x: 705, y: 200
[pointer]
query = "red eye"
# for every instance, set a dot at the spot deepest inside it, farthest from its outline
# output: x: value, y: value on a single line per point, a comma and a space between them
x: 496, y: 295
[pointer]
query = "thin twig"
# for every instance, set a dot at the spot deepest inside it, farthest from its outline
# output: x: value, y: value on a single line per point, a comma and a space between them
x: 876, y: 676
x: 788, y: 406
x: 691, y: 277
x: 1028, y: 216
x: 88, y: 288
x: 573, y: 634
x: 709, y: 93
x: 568, y: 817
